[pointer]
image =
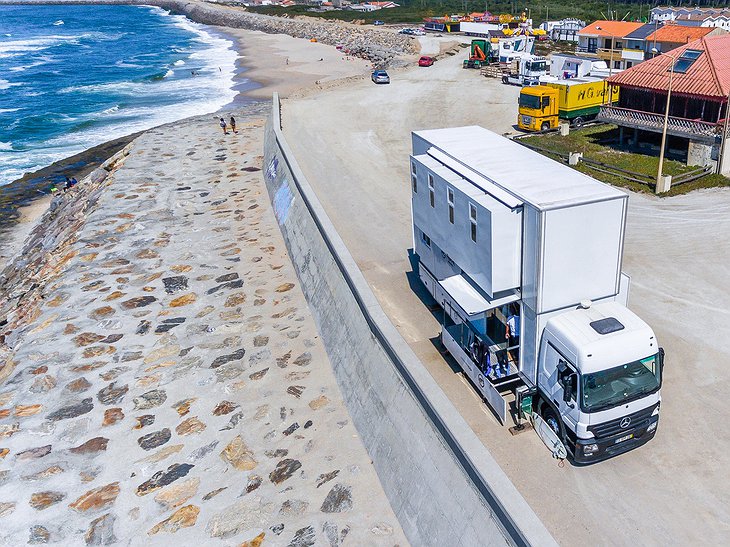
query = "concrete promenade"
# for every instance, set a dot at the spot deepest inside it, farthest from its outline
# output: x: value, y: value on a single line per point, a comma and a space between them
x: 163, y: 380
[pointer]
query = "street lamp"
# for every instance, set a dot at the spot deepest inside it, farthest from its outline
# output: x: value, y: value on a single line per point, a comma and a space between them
x: 659, y: 185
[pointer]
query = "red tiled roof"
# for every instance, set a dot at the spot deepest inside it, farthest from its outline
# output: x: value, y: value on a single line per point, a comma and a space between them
x: 708, y: 76
x: 678, y: 34
x: 617, y: 29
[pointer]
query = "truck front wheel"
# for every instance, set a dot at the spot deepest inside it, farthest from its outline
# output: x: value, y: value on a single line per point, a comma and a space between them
x: 505, y: 80
x: 545, y: 126
x: 551, y: 420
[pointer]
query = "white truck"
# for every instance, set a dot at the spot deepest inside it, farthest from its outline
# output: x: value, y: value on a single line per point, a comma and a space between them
x: 526, y: 70
x: 505, y: 236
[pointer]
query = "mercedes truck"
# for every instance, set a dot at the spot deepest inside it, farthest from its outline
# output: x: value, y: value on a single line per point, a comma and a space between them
x: 524, y: 255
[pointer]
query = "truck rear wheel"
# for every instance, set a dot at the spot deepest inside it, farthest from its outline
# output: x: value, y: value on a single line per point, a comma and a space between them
x: 505, y: 80
x: 578, y: 122
x: 545, y: 126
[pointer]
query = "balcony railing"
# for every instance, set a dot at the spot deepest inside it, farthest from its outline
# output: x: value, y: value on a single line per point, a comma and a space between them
x: 649, y: 121
x: 583, y: 49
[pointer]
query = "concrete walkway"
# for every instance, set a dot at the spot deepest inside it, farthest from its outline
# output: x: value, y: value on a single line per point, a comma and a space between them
x: 172, y: 388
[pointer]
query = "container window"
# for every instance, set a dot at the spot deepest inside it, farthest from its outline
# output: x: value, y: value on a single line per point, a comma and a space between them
x: 431, y: 193
x: 473, y: 221
x: 426, y: 240
x: 450, y: 201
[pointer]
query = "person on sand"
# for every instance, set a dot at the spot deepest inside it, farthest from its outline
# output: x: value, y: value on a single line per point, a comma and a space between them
x: 233, y: 124
x: 73, y: 182
x: 224, y: 127
x: 67, y: 185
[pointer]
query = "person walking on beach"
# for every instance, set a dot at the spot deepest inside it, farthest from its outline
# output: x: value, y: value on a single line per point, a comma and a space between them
x: 233, y: 124
x: 224, y: 127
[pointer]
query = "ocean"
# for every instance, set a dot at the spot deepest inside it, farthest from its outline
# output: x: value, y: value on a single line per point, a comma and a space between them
x: 72, y: 77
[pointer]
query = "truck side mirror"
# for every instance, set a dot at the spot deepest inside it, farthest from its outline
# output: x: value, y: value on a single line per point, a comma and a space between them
x: 568, y: 389
x: 661, y: 362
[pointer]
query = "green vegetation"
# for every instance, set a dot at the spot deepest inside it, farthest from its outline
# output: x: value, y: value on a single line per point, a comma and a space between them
x: 600, y: 143
x: 413, y: 11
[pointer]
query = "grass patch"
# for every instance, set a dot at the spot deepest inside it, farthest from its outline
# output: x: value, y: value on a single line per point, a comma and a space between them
x: 600, y: 143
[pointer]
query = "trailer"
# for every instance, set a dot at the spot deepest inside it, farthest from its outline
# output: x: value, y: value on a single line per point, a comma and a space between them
x: 576, y: 100
x: 524, y: 259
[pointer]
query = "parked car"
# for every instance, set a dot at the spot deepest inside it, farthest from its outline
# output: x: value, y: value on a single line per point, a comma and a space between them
x: 378, y: 22
x: 425, y: 61
x: 380, y: 77
x: 418, y: 32
x: 406, y: 31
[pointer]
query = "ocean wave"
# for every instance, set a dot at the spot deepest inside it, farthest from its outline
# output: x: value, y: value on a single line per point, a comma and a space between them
x: 5, y: 84
x: 14, y: 47
x: 23, y: 68
x: 171, y: 97
x: 6, y: 146
x: 8, y: 110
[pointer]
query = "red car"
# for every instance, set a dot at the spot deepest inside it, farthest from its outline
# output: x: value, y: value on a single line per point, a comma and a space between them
x: 425, y: 61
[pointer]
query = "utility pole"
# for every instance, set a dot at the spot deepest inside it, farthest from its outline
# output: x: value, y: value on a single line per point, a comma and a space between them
x: 664, y: 131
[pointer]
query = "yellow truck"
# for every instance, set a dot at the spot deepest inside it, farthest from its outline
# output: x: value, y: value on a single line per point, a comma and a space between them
x: 576, y: 100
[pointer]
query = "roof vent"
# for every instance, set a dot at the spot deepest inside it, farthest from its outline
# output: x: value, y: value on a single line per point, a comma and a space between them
x: 585, y: 304
x: 607, y: 325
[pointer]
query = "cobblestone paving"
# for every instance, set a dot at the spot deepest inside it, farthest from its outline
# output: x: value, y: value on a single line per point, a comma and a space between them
x: 173, y: 389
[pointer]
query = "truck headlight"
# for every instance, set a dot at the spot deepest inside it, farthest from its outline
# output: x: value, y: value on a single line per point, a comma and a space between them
x: 590, y: 449
x: 652, y: 427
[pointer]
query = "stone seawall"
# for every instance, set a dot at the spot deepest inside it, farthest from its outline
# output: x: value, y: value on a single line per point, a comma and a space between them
x: 442, y: 483
x: 379, y: 46
x: 44, y: 254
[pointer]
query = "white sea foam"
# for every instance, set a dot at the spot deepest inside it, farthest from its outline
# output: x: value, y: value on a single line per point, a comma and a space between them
x: 179, y: 62
x: 5, y: 84
x: 169, y: 73
x: 58, y: 23
x: 6, y: 146
x: 8, y: 110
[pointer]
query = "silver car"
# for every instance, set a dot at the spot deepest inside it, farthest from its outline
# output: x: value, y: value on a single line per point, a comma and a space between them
x: 380, y: 77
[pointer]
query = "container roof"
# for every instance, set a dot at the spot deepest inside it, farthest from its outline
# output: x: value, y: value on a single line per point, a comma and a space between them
x: 609, y: 29
x: 517, y: 170
x: 707, y: 76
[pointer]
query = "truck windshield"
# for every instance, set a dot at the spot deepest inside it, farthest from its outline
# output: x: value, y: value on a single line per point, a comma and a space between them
x: 608, y: 388
x: 529, y: 101
x: 536, y: 66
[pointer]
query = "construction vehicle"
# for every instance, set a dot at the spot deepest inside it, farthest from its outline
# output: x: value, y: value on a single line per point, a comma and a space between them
x: 478, y: 54
x: 576, y: 100
x: 523, y: 258
x: 526, y: 70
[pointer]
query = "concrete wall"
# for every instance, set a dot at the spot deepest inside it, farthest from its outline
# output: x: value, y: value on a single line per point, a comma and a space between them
x: 442, y: 483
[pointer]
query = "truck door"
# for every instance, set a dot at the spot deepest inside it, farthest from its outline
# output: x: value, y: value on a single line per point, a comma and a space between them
x: 563, y: 386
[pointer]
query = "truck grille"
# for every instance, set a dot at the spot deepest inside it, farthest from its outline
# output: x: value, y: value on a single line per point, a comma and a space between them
x: 613, y: 427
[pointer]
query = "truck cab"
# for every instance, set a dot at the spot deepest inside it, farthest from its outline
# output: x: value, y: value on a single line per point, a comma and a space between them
x: 600, y: 375
x: 526, y: 70
x: 538, y: 108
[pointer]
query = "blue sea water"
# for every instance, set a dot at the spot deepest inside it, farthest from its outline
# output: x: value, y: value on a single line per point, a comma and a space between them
x: 72, y: 77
